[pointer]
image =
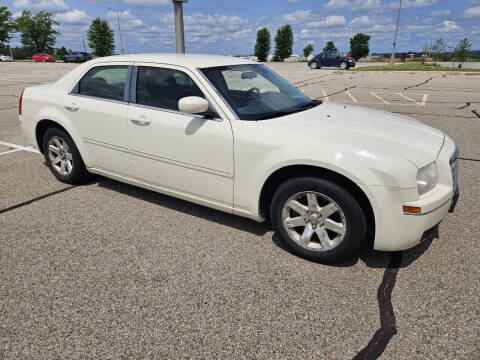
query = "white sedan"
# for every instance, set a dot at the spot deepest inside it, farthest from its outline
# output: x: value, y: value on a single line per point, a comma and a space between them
x: 233, y: 135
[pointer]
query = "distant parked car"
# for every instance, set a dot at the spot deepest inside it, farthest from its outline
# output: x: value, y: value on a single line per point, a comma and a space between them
x: 77, y: 57
x: 43, y: 57
x: 5, y: 58
x: 331, y: 59
x: 351, y: 57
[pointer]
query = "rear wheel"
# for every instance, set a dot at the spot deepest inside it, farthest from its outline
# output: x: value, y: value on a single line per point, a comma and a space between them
x: 62, y: 157
x: 317, y: 219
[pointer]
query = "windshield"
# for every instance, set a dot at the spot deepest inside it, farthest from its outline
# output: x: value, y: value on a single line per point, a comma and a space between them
x: 255, y: 92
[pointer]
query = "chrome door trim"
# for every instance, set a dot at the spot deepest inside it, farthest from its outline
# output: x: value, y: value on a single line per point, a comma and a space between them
x: 183, y: 164
x: 106, y: 145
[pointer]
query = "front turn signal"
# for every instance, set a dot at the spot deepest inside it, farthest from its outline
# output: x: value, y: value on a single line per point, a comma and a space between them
x: 412, y: 209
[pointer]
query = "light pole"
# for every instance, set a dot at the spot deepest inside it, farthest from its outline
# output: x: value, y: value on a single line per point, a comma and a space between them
x: 392, y: 58
x: 179, y: 32
x: 119, y: 30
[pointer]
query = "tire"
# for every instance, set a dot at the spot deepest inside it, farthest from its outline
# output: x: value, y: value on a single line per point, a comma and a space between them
x: 78, y: 61
x: 314, y: 65
x: 334, y: 208
x: 76, y: 173
x: 343, y: 65
x: 43, y: 60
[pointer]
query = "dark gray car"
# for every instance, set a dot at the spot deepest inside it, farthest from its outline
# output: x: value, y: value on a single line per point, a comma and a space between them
x: 331, y: 59
x: 77, y: 57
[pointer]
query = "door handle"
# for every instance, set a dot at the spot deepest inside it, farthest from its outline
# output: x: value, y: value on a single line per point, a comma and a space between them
x: 140, y: 122
x: 71, y: 107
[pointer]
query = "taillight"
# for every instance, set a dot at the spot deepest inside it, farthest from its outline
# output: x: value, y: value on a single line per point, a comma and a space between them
x: 20, y: 103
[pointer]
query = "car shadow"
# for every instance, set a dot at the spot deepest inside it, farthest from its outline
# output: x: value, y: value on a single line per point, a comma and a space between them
x: 186, y: 207
x: 372, y: 258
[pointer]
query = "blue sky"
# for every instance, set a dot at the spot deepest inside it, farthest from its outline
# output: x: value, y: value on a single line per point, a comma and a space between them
x: 148, y: 24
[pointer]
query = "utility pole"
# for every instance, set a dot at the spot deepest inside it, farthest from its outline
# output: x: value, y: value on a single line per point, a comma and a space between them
x: 225, y: 30
x: 392, y: 59
x: 84, y: 48
x: 179, y: 30
x: 126, y: 42
x: 119, y: 30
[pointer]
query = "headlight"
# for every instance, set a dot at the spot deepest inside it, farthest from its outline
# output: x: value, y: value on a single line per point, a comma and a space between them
x: 426, y: 178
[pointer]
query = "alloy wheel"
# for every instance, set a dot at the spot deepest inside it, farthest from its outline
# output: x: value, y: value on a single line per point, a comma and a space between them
x: 60, y: 155
x: 314, y: 221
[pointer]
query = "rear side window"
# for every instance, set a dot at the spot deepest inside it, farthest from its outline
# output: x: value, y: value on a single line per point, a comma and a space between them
x: 163, y: 88
x: 106, y: 82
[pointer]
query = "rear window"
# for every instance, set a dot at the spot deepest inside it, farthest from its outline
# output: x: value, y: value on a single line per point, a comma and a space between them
x: 106, y: 82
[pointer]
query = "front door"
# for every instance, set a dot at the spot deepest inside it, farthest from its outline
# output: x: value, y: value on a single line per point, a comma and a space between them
x: 185, y: 154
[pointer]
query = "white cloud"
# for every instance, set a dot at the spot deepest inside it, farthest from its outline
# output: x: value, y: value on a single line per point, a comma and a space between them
x: 448, y: 27
x: 413, y: 4
x: 48, y: 5
x: 72, y: 17
x: 354, y: 5
x: 329, y: 21
x: 440, y: 13
x: 294, y: 1
x: 473, y: 12
x: 298, y: 16
x: 127, y: 20
x: 147, y: 2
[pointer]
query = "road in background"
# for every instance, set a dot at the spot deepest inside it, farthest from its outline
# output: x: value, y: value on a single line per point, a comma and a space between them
x: 109, y: 270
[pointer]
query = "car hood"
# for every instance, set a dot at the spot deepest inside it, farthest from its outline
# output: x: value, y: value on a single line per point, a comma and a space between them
x: 376, y: 131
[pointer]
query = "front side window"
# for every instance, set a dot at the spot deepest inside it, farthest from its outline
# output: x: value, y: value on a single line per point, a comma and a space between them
x: 255, y: 92
x: 163, y: 88
x: 106, y: 82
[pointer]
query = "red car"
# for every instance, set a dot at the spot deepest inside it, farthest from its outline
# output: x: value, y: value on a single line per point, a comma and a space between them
x: 351, y: 57
x: 43, y: 58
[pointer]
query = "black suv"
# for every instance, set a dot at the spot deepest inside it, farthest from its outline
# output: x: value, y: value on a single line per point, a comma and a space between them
x: 77, y: 57
x: 331, y: 59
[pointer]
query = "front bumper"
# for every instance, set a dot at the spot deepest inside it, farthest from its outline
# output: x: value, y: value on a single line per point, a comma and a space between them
x: 396, y: 230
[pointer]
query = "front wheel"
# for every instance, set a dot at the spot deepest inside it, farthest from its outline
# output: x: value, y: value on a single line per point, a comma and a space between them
x: 343, y: 66
x: 314, y: 65
x: 62, y: 157
x: 318, y: 219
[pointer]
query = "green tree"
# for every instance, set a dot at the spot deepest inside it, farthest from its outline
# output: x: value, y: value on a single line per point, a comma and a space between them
x: 100, y: 37
x: 262, y: 47
x: 359, y: 46
x: 460, y: 53
x: 37, y: 32
x: 6, y: 25
x: 283, y: 43
x: 438, y: 50
x: 62, y: 51
x: 329, y: 46
x: 307, y: 50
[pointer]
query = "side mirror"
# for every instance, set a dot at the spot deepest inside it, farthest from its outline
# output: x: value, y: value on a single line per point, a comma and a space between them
x: 193, y: 105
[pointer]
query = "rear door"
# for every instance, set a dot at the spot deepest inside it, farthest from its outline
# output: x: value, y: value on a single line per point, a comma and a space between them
x: 97, y: 106
x: 180, y: 152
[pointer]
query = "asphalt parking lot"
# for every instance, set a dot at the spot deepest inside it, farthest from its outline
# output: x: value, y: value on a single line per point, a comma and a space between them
x: 111, y: 271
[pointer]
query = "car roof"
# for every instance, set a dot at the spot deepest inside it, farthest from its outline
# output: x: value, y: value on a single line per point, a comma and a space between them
x: 185, y: 60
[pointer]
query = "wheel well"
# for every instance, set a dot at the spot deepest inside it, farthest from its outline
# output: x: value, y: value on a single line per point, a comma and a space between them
x: 41, y: 129
x: 289, y: 172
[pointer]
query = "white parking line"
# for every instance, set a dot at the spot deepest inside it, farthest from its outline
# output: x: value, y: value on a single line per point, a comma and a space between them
x: 379, y: 97
x: 325, y: 96
x: 351, y: 96
x: 10, y: 151
x: 18, y: 148
x: 415, y: 102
